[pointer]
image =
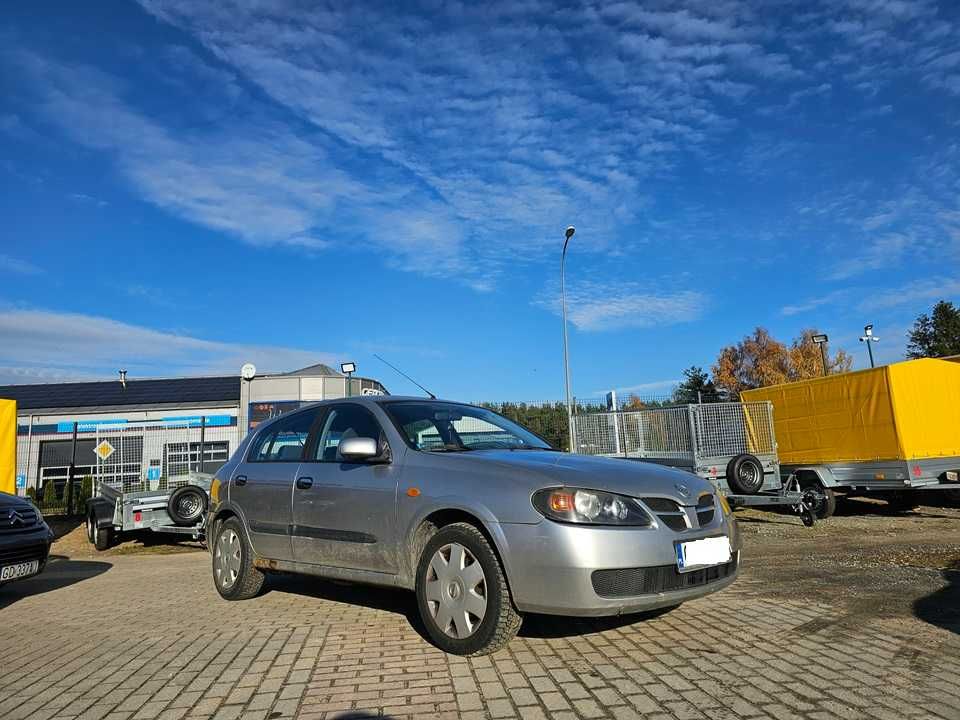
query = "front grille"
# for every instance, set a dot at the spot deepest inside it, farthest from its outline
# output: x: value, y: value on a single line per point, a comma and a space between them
x: 24, y: 553
x: 628, y: 582
x: 705, y: 510
x: 668, y: 511
x: 17, y: 519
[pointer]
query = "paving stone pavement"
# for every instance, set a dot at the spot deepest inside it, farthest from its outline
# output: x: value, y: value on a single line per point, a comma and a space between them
x: 147, y: 637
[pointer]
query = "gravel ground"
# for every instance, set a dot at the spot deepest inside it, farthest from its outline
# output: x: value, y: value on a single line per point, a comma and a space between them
x: 877, y: 562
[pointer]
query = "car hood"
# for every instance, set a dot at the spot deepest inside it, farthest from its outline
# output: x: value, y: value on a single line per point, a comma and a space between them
x: 626, y: 477
x: 12, y: 501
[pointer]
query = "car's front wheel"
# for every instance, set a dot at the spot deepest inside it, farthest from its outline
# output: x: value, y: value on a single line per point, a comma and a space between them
x: 462, y: 593
x: 234, y: 574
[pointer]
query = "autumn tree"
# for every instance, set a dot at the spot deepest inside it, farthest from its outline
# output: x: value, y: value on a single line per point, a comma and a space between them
x: 760, y: 360
x: 937, y: 334
x: 806, y: 362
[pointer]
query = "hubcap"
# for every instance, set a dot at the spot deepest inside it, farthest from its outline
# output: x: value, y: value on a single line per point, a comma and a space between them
x: 188, y: 506
x: 456, y: 591
x: 226, y: 559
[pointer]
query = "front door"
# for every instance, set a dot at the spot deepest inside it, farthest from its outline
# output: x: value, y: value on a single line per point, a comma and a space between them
x: 344, y: 513
x: 261, y: 485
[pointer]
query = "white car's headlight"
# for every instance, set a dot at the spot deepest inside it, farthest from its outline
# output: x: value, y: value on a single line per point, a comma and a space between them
x: 589, y: 507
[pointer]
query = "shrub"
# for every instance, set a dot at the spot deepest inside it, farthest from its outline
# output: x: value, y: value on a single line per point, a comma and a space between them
x: 50, y: 494
x: 32, y: 494
x: 82, y: 494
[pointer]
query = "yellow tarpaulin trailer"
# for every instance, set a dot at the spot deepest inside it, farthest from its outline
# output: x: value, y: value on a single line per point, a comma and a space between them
x: 8, y: 446
x: 889, y: 428
x: 904, y: 411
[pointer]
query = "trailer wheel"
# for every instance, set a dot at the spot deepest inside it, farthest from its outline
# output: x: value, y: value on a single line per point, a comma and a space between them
x: 745, y: 475
x: 101, y: 538
x: 823, y: 500
x: 187, y: 505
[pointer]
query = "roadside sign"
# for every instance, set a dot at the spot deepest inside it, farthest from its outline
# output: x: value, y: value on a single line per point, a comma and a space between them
x: 21, y: 482
x: 104, y: 450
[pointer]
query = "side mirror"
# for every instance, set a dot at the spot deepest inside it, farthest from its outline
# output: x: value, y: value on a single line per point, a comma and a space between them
x: 358, y: 449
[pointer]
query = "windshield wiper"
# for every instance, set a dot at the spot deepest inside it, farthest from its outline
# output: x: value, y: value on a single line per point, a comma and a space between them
x: 532, y: 447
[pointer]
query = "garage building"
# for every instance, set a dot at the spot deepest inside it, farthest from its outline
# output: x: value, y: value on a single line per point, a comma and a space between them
x: 146, y: 430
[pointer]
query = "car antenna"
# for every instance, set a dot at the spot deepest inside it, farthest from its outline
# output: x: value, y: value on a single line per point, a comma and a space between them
x: 395, y: 368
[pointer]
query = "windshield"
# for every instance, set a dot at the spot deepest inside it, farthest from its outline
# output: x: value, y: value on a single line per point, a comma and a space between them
x: 447, y: 427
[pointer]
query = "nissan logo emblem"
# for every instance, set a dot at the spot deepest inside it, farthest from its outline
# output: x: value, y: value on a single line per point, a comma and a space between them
x: 682, y: 489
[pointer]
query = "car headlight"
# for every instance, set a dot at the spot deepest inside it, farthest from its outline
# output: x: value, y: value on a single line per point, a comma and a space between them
x: 589, y: 507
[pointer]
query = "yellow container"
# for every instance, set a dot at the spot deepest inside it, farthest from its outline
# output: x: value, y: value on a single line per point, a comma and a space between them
x: 8, y: 446
x: 905, y: 411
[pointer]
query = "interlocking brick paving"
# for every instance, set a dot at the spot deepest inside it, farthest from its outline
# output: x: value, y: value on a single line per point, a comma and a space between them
x: 147, y: 637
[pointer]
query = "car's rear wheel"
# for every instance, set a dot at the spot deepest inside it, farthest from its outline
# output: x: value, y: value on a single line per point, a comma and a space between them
x: 234, y: 574
x: 462, y: 593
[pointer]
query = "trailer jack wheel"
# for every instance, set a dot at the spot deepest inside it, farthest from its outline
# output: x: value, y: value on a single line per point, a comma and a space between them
x: 808, y: 505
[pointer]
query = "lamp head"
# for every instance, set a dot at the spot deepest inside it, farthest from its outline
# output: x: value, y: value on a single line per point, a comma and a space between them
x: 570, y: 231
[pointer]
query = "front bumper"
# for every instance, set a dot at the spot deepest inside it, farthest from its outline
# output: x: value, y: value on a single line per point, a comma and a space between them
x: 551, y: 566
x: 25, y: 546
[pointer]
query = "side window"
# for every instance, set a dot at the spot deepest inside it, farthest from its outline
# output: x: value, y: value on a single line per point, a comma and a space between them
x: 283, y: 441
x: 346, y: 421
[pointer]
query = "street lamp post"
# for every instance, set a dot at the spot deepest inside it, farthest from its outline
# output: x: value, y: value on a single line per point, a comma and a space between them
x: 869, y: 338
x: 566, y: 352
x: 821, y: 340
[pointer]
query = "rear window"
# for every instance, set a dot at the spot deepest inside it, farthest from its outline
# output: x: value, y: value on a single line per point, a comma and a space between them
x: 284, y: 441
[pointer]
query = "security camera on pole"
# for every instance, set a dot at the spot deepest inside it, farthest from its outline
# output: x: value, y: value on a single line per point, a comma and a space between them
x: 869, y: 338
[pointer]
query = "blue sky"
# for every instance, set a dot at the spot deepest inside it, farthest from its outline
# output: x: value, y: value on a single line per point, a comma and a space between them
x: 191, y: 185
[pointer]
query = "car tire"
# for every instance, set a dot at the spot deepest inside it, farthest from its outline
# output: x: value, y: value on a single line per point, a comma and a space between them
x: 234, y: 574
x: 826, y: 499
x: 101, y: 538
x: 464, y: 611
x: 745, y: 474
x: 187, y: 505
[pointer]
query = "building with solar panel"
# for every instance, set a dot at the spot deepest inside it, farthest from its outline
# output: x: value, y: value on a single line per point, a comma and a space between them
x: 153, y: 429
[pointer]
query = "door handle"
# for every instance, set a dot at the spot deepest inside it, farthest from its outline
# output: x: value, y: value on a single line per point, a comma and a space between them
x: 240, y: 480
x: 304, y: 483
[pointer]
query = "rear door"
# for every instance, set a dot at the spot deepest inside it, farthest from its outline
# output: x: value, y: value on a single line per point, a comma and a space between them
x: 261, y: 485
x: 344, y: 513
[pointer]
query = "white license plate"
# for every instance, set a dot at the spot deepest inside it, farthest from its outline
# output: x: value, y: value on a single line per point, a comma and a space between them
x: 702, y: 553
x: 12, y: 572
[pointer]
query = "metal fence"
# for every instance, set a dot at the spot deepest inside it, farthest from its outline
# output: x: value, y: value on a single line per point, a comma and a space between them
x: 159, y: 455
x: 678, y: 433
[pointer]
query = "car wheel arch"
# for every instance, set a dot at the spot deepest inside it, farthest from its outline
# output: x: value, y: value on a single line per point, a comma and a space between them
x: 427, y: 524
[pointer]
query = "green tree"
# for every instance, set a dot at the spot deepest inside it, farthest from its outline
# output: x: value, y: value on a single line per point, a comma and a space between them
x: 696, y: 386
x: 937, y: 334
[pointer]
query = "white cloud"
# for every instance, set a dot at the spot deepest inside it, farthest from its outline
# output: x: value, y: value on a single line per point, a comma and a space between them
x: 45, y: 344
x: 18, y: 266
x: 926, y: 291
x: 599, y: 306
x: 647, y: 387
x: 813, y: 303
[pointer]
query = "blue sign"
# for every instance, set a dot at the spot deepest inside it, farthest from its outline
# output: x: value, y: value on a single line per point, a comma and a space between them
x: 87, y: 425
x: 197, y: 420
x: 153, y: 473
x: 21, y: 482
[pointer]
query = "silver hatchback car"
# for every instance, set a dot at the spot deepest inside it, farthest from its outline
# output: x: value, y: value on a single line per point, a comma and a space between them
x: 481, y: 517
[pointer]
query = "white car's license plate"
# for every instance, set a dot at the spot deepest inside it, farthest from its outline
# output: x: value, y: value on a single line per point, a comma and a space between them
x: 12, y: 572
x: 702, y: 553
